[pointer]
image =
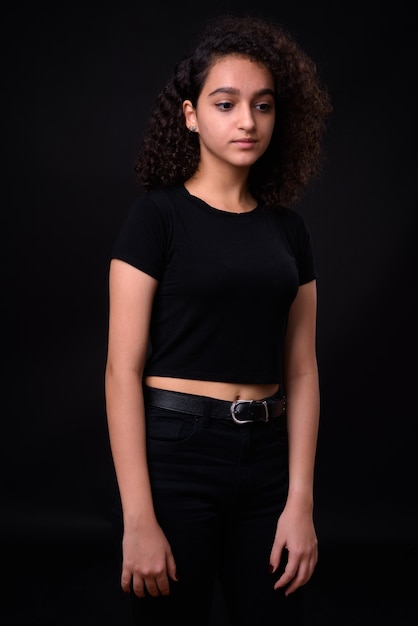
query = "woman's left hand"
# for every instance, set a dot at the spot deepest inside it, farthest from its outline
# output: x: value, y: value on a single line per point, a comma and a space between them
x: 295, y: 535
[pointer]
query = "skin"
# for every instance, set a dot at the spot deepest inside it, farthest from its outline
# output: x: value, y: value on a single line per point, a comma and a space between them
x: 234, y: 118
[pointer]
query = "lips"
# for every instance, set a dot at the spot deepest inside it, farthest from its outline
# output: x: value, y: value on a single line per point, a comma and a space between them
x: 244, y: 143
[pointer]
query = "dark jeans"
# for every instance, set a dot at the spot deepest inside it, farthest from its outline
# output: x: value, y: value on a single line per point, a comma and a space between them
x: 218, y: 490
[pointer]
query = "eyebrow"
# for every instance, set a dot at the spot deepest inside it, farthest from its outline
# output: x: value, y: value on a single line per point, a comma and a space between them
x: 236, y: 92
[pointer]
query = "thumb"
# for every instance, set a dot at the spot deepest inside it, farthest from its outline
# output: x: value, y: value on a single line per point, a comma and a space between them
x: 171, y: 567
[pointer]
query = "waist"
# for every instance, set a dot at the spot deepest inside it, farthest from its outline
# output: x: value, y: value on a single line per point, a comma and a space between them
x: 240, y: 411
x: 213, y: 389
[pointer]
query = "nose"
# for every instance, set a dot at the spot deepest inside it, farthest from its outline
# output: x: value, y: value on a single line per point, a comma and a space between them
x: 246, y: 118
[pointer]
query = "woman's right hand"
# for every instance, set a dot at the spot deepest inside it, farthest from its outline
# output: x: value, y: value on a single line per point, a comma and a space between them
x: 148, y: 562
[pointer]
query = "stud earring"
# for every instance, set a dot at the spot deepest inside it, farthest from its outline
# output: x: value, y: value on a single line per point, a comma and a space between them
x: 192, y: 129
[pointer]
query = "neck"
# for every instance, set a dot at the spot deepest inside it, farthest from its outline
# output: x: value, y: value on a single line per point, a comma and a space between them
x: 224, y: 193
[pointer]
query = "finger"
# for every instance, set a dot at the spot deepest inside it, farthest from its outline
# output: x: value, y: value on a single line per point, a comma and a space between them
x: 288, y: 568
x: 287, y: 577
x: 292, y: 579
x: 278, y: 556
x: 171, y: 568
x: 125, y: 581
x: 163, y: 585
x: 278, y: 560
x: 138, y: 586
x: 298, y: 581
x: 152, y: 587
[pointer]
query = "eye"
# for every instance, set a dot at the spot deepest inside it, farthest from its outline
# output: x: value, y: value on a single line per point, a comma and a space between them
x: 264, y: 107
x: 224, y: 106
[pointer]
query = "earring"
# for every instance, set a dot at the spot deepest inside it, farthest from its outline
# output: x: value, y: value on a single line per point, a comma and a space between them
x: 192, y: 129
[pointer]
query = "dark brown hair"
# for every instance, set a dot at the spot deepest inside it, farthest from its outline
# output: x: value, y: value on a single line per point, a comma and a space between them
x: 169, y: 154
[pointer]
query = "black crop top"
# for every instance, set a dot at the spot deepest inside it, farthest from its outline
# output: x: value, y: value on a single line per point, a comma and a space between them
x: 226, y: 282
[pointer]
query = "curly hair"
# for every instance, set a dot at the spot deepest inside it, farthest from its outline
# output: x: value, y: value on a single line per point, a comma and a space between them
x: 169, y: 154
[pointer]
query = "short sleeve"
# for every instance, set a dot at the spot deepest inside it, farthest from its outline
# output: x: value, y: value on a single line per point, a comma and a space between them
x: 141, y: 241
x: 300, y: 240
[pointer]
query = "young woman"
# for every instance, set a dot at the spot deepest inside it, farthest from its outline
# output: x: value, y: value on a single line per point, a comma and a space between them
x: 211, y: 381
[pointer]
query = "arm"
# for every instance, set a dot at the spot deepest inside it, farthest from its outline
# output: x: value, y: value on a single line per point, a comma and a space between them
x: 147, y: 558
x: 295, y: 528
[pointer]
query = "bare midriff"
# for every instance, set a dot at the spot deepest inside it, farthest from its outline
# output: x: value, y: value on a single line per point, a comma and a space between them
x: 211, y: 389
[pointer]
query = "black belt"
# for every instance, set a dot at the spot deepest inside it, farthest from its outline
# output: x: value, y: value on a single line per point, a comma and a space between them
x: 241, y: 411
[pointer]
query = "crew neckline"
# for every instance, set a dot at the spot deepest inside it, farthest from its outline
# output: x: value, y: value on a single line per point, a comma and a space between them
x: 206, y: 205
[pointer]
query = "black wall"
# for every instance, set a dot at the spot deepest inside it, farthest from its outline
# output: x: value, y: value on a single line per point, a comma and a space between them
x: 78, y: 84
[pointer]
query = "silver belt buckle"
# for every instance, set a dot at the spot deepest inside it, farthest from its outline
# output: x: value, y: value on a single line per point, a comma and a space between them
x: 237, y: 402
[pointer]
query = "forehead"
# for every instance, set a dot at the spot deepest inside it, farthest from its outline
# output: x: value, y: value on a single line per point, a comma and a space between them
x: 238, y: 72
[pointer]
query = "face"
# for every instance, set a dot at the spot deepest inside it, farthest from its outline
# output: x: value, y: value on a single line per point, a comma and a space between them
x: 235, y: 112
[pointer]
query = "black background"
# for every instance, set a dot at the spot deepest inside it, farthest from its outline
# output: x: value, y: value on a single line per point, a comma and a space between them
x: 78, y: 84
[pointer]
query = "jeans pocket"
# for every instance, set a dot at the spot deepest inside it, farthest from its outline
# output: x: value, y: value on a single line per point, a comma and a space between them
x: 167, y: 427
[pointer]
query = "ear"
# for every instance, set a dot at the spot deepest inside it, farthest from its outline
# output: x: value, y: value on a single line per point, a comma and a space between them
x: 190, y: 116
